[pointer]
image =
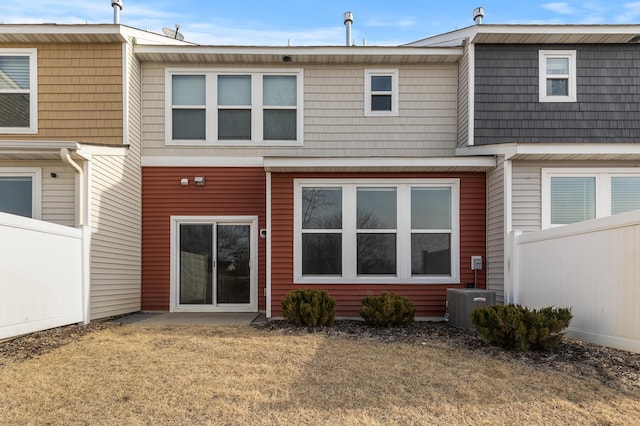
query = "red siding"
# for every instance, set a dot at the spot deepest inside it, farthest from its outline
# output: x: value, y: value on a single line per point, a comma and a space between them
x: 429, y: 299
x: 228, y: 191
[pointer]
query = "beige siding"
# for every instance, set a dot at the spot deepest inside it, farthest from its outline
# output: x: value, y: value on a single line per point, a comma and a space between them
x: 116, y: 218
x: 496, y: 230
x: 79, y: 92
x: 115, y: 242
x: 526, y: 190
x: 58, y: 194
x: 334, y: 121
x: 463, y: 98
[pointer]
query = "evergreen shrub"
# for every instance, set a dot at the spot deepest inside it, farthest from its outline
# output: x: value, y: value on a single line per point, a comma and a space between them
x: 309, y: 307
x: 387, y: 310
x: 517, y: 327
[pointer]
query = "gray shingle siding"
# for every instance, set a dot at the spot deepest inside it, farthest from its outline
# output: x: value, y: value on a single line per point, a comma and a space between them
x: 507, y: 108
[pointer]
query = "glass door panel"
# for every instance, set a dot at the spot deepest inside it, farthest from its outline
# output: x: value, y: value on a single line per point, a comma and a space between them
x: 196, y: 253
x: 233, y: 277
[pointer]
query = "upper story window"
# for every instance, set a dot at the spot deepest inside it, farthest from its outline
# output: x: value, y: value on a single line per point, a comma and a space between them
x: 380, y: 92
x: 575, y: 195
x: 18, y: 91
x: 376, y: 231
x: 234, y: 108
x: 557, y: 75
x: 20, y: 192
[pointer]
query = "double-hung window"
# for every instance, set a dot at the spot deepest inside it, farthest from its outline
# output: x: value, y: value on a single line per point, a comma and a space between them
x: 575, y: 195
x: 380, y: 92
x: 376, y: 231
x: 18, y: 91
x: 225, y: 107
x: 20, y: 191
x: 557, y: 73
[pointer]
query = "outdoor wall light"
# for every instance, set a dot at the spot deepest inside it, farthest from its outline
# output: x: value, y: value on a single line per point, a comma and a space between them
x: 199, y: 180
x: 184, y: 181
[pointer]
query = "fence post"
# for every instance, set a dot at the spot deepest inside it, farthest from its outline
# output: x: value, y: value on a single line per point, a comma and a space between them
x: 86, y: 274
x: 513, y: 279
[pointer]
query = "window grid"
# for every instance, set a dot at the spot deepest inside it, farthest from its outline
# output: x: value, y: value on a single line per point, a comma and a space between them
x: 551, y: 69
x: 236, y: 132
x: 19, y: 88
x: 380, y: 95
x: 403, y: 234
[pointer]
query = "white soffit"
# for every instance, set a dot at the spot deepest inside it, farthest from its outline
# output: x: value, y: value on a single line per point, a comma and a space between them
x: 378, y: 164
x: 557, y: 151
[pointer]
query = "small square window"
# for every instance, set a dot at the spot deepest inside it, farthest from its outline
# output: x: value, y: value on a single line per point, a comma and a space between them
x: 381, y: 92
x: 557, y: 72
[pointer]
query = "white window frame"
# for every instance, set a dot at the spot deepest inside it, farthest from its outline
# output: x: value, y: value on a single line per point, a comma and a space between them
x: 175, y: 222
x: 35, y: 173
x: 403, y: 231
x: 32, y: 91
x: 257, y: 107
x: 543, y: 55
x: 602, y: 188
x: 368, y: 73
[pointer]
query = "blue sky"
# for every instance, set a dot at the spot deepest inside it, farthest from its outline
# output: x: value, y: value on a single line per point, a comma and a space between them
x: 305, y: 23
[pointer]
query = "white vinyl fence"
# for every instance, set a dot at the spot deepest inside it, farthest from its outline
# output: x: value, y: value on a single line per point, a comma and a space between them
x: 42, y: 280
x: 592, y: 267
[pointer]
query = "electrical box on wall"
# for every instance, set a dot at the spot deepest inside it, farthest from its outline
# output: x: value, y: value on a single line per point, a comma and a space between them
x: 476, y: 263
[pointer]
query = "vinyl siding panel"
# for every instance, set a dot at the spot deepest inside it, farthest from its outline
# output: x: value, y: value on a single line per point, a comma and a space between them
x: 429, y: 299
x: 115, y: 241
x: 227, y: 192
x: 334, y: 121
x: 79, y: 93
x: 496, y: 230
x: 507, y: 107
x: 58, y: 194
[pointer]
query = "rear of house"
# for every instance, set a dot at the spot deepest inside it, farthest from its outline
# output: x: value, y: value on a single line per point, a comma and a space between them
x: 558, y: 106
x: 271, y: 169
x: 70, y: 149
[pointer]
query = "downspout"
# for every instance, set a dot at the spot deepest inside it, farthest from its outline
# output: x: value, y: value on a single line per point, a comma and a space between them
x: 86, y: 234
x: 268, y: 283
x: 66, y: 157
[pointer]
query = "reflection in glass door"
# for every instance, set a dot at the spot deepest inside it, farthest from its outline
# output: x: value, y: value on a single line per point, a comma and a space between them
x: 214, y: 265
x: 233, y: 276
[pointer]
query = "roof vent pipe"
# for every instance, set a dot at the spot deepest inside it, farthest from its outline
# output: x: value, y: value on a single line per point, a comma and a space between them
x: 348, y: 20
x: 117, y: 7
x: 478, y: 14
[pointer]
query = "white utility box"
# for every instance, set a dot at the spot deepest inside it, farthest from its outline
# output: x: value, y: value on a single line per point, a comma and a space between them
x: 461, y: 301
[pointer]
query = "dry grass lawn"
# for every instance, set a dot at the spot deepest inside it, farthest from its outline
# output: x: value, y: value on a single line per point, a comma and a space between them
x: 240, y: 375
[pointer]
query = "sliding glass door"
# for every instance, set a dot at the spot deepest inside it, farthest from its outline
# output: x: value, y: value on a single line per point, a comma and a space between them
x: 214, y: 265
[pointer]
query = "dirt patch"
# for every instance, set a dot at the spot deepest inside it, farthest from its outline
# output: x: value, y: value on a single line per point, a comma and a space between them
x: 34, y: 344
x: 612, y: 367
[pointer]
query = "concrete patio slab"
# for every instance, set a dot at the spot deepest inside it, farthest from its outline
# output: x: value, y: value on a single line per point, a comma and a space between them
x: 189, y: 318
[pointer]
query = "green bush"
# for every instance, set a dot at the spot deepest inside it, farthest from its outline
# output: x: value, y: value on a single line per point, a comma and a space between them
x: 309, y: 307
x: 516, y: 327
x: 387, y: 310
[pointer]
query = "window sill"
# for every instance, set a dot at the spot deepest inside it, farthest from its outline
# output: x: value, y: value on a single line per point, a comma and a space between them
x: 441, y: 279
x: 256, y: 144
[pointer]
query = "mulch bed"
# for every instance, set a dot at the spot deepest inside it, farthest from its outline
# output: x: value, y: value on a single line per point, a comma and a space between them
x: 614, y: 368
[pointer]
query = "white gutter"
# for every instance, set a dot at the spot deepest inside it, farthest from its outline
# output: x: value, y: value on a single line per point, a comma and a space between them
x: 268, y: 283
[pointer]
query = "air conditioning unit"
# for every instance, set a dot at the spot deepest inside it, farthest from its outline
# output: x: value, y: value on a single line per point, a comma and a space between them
x: 460, y: 303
